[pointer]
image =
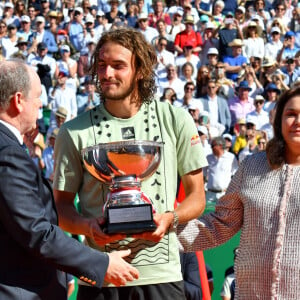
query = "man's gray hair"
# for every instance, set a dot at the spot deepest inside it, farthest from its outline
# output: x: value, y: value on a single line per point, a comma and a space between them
x: 14, y: 77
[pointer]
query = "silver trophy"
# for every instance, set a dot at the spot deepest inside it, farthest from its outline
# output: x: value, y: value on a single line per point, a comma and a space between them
x: 123, y: 166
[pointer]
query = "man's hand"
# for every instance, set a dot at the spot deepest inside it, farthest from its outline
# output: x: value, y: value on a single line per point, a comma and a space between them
x: 119, y: 272
x: 163, y: 222
x: 99, y: 236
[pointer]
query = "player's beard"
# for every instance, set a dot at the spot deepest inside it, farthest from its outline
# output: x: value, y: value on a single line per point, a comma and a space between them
x: 118, y: 95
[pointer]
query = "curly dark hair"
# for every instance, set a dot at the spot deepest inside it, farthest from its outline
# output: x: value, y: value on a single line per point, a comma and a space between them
x: 276, y: 146
x: 144, y: 59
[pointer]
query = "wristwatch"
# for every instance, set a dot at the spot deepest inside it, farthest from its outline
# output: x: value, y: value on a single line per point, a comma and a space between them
x: 175, y: 221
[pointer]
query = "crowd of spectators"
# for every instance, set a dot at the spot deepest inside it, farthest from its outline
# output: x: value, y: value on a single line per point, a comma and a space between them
x: 248, y: 48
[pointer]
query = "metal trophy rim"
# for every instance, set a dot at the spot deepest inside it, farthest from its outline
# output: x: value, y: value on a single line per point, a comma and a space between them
x: 121, y: 143
x: 117, y: 146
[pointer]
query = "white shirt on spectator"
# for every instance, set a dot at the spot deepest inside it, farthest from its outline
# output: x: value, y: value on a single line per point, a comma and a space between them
x: 220, y: 170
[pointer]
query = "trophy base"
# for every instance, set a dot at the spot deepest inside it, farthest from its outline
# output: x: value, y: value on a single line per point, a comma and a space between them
x: 129, y: 228
x: 129, y: 219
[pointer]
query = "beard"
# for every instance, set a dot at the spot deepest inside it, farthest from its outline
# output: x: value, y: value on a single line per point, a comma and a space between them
x: 118, y: 94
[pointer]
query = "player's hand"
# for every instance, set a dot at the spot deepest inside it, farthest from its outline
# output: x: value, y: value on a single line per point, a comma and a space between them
x: 99, y: 236
x: 163, y: 222
x: 119, y: 272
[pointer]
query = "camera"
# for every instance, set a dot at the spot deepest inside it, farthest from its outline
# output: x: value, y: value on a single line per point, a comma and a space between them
x: 61, y: 38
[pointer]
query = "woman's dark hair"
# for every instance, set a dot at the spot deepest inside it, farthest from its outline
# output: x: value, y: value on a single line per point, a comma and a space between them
x: 144, y: 59
x: 202, y: 81
x: 276, y: 146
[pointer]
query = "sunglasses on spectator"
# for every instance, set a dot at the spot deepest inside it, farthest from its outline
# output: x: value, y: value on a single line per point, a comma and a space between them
x: 163, y: 45
x: 188, y: 88
x: 290, y: 61
x: 259, y: 102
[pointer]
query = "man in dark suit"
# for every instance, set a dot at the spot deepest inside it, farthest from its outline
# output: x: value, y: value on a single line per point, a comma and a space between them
x: 35, y: 253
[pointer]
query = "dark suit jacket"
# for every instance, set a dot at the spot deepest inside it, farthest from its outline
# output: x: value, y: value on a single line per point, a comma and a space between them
x: 33, y: 248
x: 224, y: 116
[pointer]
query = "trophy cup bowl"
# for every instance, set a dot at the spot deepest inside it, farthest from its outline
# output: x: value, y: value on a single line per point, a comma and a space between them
x: 123, y: 166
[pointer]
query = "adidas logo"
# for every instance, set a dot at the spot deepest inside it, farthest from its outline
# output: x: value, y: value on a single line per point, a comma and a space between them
x: 128, y: 133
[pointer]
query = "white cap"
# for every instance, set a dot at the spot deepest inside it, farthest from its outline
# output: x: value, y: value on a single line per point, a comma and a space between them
x: 79, y: 9
x: 179, y: 11
x: 40, y: 19
x: 210, y: 25
x: 251, y: 119
x: 89, y: 19
x: 212, y: 50
x: 65, y: 48
x: 242, y: 8
x: 143, y: 16
x: 259, y: 98
x: 25, y: 19
x: 275, y: 29
x: 8, y: 4
x: 100, y: 13
x: 227, y: 136
x: 202, y: 129
x: 204, y: 114
x: 256, y: 17
x: 195, y: 104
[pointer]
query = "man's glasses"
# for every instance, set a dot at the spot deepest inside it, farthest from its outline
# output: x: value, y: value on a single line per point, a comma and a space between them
x: 143, y: 21
x: 189, y: 88
x: 163, y: 45
x: 280, y: 8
